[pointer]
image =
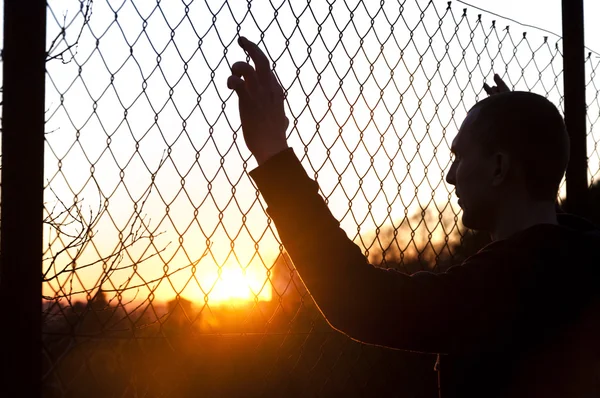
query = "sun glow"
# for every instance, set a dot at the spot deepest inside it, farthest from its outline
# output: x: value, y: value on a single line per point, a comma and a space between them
x: 236, y: 284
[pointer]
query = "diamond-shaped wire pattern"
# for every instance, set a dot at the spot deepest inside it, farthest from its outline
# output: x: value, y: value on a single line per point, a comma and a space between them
x: 592, y: 90
x: 163, y: 275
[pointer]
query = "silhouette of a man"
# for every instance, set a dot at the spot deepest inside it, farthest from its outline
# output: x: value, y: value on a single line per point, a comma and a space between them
x: 519, y: 318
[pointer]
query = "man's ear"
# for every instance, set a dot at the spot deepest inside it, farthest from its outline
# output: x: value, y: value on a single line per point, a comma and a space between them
x: 502, y: 164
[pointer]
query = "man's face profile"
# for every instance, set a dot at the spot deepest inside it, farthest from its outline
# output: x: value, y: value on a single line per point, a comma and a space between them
x: 471, y: 174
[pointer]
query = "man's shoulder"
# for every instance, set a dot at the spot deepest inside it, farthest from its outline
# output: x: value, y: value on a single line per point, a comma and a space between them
x: 574, y: 239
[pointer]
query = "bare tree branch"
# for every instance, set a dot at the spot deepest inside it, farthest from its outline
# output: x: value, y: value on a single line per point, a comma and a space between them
x: 85, y: 8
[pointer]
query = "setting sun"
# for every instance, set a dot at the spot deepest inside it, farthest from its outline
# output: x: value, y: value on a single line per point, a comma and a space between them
x: 236, y: 284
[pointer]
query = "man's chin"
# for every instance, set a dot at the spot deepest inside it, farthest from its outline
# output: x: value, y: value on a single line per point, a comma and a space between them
x: 465, y: 220
x: 471, y: 222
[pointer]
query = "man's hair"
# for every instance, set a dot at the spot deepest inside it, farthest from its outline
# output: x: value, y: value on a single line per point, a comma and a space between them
x: 531, y: 129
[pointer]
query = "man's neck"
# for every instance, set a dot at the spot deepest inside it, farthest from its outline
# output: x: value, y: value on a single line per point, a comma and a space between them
x: 516, y: 219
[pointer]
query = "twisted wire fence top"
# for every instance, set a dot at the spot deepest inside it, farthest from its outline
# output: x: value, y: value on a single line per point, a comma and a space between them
x: 154, y: 229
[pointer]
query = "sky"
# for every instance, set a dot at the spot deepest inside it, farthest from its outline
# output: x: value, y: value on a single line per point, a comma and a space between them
x: 144, y: 136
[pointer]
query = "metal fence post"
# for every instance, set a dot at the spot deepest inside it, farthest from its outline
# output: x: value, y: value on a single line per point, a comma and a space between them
x: 22, y: 197
x: 575, y: 106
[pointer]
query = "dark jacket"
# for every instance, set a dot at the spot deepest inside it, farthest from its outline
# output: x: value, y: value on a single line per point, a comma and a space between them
x: 519, y: 318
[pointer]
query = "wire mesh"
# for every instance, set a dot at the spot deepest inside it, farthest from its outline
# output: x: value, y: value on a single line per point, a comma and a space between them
x: 593, y: 116
x: 163, y: 275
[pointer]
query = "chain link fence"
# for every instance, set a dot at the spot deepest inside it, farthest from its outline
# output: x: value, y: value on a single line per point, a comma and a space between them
x: 162, y: 273
x: 593, y: 116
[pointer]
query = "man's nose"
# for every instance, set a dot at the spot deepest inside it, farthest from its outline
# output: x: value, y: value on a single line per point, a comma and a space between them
x: 451, y: 175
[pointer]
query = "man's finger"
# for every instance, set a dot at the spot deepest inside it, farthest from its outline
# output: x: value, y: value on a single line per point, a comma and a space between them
x: 502, y: 87
x: 487, y: 89
x: 276, y: 88
x: 235, y: 82
x: 259, y: 58
x: 245, y: 70
x: 239, y: 85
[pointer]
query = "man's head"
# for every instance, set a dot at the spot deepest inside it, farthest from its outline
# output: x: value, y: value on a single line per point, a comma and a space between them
x: 511, y: 147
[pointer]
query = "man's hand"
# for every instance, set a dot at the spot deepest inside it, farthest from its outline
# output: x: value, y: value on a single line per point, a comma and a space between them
x: 261, y: 103
x: 500, y: 86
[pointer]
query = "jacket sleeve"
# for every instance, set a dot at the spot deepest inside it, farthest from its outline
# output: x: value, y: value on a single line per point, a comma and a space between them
x: 424, y: 312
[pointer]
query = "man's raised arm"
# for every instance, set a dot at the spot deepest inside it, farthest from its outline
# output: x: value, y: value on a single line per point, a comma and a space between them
x: 423, y: 312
